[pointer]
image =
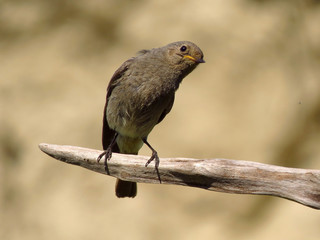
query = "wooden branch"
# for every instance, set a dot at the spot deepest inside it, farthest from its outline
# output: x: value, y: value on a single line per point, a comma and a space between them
x: 222, y: 175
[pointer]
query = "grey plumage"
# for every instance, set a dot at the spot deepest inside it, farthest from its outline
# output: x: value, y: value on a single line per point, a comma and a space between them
x: 140, y: 94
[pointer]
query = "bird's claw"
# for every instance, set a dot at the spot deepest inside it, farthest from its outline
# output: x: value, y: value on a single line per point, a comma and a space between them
x: 107, y: 154
x: 154, y: 157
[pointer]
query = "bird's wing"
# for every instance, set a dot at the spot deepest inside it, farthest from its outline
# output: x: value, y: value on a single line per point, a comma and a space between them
x: 167, y: 109
x: 107, y: 132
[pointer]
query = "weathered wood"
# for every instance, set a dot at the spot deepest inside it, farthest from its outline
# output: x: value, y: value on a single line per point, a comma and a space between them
x: 222, y: 175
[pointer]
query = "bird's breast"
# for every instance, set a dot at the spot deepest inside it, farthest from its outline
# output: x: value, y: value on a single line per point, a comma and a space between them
x: 134, y: 109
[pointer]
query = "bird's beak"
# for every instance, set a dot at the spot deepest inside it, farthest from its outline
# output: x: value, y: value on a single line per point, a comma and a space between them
x: 199, y: 60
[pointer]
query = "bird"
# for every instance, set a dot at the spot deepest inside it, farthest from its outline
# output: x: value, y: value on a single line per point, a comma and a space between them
x: 140, y: 94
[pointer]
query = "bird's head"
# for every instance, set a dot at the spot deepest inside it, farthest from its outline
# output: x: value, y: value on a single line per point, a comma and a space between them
x: 184, y: 54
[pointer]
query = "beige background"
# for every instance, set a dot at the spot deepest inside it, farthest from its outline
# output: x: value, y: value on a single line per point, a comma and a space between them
x: 257, y: 98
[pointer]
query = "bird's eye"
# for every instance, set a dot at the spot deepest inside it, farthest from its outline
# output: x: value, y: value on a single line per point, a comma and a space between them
x: 183, y: 48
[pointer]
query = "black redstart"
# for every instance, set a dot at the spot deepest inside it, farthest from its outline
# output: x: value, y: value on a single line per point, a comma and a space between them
x: 140, y: 94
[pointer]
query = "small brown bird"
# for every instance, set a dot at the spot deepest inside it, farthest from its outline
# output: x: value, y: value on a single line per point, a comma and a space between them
x: 140, y: 94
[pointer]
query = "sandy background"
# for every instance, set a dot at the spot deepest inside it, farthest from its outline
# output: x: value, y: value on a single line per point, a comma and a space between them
x: 256, y: 98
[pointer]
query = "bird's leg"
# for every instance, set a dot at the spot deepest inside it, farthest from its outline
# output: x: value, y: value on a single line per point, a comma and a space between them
x: 154, y: 157
x: 108, y: 152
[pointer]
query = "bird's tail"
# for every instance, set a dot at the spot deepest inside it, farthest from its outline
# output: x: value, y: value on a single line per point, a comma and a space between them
x: 126, y: 189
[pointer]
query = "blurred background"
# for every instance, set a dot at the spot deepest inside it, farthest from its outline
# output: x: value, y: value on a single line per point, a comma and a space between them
x: 256, y: 98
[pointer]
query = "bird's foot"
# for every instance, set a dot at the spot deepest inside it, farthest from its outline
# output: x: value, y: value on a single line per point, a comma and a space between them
x: 155, y: 157
x: 107, y: 154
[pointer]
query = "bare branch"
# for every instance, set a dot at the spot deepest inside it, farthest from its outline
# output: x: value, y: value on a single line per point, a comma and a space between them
x: 222, y: 175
